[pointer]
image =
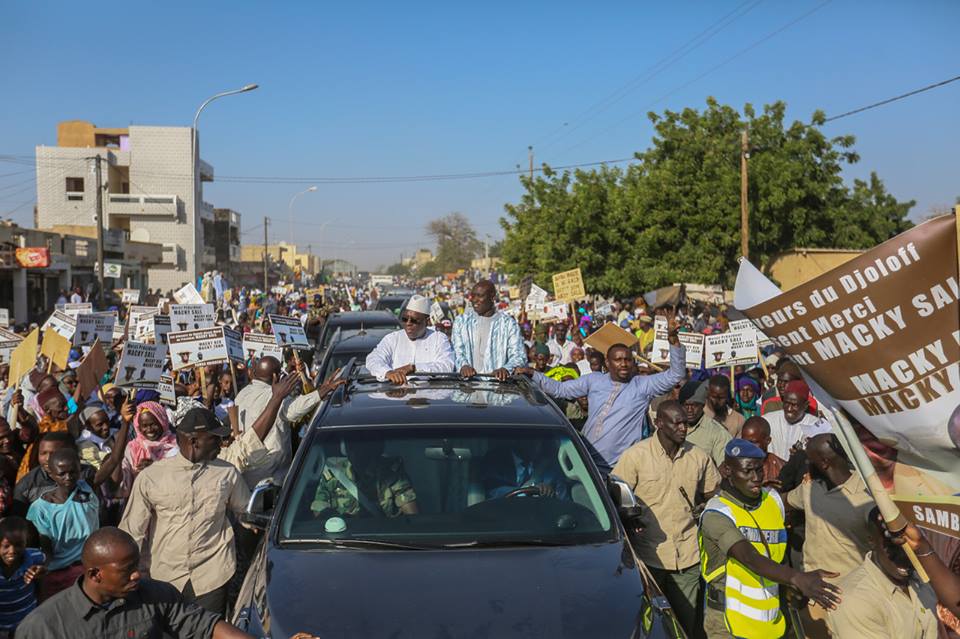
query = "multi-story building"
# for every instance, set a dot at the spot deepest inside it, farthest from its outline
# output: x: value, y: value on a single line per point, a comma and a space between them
x: 149, y: 192
x: 226, y: 240
x: 306, y: 264
x: 30, y: 291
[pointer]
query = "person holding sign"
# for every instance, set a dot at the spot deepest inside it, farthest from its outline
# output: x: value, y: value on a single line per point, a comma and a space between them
x: 414, y: 349
x: 880, y: 597
x: 618, y: 401
x: 487, y: 341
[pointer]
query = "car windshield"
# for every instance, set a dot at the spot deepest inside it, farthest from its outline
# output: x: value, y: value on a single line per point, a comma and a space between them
x: 445, y: 486
x: 351, y: 330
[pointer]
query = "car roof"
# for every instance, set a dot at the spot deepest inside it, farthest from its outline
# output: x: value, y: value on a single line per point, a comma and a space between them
x: 361, y: 343
x: 447, y: 399
x: 367, y: 318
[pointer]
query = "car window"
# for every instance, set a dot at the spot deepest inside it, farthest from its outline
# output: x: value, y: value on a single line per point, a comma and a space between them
x: 350, y: 331
x: 445, y: 485
x: 394, y: 305
x: 339, y: 360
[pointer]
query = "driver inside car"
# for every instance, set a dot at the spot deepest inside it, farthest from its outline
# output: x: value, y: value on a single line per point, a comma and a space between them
x: 364, y: 483
x: 528, y: 464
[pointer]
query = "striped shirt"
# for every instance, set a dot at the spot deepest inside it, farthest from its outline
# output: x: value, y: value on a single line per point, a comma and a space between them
x: 17, y: 598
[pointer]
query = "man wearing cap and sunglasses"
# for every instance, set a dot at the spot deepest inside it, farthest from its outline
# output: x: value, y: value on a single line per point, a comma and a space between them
x: 177, y: 513
x: 414, y: 349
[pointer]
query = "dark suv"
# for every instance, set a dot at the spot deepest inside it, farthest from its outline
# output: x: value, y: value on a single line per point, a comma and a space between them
x: 446, y: 508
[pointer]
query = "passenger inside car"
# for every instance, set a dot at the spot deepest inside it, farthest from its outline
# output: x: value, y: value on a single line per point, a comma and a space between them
x: 528, y: 467
x: 364, y: 483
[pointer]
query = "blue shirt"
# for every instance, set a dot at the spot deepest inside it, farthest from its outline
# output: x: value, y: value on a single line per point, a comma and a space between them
x: 18, y: 598
x: 616, y: 410
x: 67, y: 525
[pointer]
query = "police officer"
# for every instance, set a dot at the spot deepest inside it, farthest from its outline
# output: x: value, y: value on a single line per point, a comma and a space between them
x: 743, y: 542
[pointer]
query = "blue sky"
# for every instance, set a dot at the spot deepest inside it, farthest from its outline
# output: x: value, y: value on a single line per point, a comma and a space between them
x: 418, y: 88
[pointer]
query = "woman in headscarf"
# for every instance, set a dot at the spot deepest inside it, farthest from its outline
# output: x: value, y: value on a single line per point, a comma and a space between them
x: 153, y: 440
x: 747, y: 396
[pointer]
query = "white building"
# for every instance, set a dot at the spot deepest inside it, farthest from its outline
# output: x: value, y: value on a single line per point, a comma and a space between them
x: 149, y: 192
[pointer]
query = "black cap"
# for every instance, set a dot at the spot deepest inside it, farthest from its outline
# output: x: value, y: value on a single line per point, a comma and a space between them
x: 202, y: 420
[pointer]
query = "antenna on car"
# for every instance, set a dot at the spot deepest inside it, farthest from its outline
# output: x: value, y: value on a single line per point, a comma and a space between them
x: 346, y: 373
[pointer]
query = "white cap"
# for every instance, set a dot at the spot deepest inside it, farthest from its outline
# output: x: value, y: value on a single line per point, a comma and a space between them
x: 419, y: 304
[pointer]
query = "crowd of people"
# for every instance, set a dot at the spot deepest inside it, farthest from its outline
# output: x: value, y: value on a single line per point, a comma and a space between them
x: 120, y: 509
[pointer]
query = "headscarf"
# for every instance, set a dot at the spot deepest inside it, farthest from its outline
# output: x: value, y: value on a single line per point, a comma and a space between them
x: 751, y: 408
x: 142, y: 448
x: 145, y: 395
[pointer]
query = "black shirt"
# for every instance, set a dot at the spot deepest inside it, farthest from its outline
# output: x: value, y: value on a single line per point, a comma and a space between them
x: 152, y: 611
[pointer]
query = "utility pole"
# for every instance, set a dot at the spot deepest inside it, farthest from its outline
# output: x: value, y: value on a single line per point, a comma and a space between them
x: 744, y: 209
x: 530, y: 154
x: 266, y: 256
x: 99, y: 202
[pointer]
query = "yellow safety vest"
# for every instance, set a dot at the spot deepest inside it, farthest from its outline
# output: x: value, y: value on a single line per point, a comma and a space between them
x: 752, y: 603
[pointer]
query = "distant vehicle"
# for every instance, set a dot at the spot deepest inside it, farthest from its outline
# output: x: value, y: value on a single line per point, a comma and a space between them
x: 381, y: 280
x: 392, y: 303
x: 350, y: 323
x: 444, y: 540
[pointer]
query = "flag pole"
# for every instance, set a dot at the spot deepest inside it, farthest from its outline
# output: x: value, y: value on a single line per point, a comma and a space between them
x: 888, y: 509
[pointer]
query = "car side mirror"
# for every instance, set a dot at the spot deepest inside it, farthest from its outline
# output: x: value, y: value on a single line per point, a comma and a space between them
x: 628, y: 508
x: 259, y: 509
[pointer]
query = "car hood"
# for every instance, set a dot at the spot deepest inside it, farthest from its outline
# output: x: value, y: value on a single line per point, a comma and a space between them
x: 566, y: 591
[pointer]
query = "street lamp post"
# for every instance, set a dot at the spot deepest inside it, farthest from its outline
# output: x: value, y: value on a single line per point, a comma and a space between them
x: 290, y: 209
x: 196, y: 151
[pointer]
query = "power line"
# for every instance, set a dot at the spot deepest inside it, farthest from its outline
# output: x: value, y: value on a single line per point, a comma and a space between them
x: 374, y: 179
x: 709, y: 71
x: 893, y: 99
x: 662, y: 65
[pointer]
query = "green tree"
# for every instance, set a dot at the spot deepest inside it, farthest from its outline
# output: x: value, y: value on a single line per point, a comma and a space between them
x: 456, y: 240
x: 674, y: 216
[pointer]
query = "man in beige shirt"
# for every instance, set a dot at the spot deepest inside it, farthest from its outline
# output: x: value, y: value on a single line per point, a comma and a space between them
x: 177, y: 513
x: 719, y: 406
x: 881, y: 597
x: 673, y: 479
x: 835, y: 502
x: 703, y: 431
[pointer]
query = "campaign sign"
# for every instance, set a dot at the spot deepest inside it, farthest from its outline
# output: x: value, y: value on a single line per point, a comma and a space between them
x: 130, y: 296
x: 257, y: 345
x: 74, y: 310
x: 190, y: 317
x: 93, y: 326
x: 161, y: 326
x: 187, y: 295
x: 234, y: 340
x: 168, y: 393
x: 62, y: 324
x: 141, y: 364
x: 694, y: 345
x: 288, y: 331
x: 661, y: 343
x: 193, y: 348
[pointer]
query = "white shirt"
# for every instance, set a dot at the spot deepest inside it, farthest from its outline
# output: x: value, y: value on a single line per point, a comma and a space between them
x: 560, y: 354
x: 251, y: 401
x: 76, y: 299
x: 431, y: 353
x: 784, y: 435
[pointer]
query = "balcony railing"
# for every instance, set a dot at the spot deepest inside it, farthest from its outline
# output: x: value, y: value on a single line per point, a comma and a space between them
x: 140, y: 204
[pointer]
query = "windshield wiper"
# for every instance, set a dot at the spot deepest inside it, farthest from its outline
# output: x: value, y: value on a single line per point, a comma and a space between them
x: 359, y: 543
x: 505, y: 543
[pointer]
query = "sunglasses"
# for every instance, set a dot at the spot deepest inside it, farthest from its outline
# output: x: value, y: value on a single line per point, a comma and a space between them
x: 407, y: 319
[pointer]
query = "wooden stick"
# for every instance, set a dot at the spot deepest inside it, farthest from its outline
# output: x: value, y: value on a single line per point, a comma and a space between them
x: 303, y: 378
x: 888, y: 509
x: 233, y: 375
x: 733, y: 383
x: 763, y: 364
x: 648, y: 362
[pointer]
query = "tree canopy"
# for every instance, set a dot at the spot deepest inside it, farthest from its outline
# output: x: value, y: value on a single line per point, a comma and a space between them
x: 674, y: 215
x: 457, y: 242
